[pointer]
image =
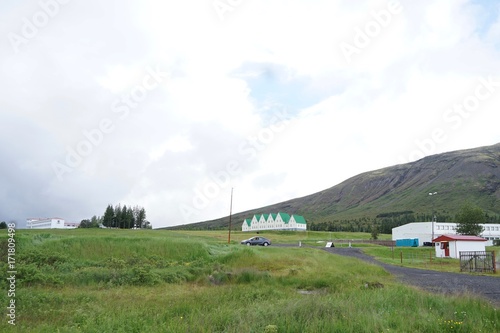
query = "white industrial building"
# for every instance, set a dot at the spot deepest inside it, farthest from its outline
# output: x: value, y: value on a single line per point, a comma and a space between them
x: 50, y: 223
x: 427, y: 231
x: 279, y: 221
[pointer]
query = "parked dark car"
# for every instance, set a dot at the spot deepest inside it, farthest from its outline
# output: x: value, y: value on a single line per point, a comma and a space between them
x: 257, y: 240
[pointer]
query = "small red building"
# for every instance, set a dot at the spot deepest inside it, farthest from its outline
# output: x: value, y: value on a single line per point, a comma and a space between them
x: 451, y: 245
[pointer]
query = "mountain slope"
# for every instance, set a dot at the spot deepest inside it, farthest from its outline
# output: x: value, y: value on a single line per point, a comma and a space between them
x: 465, y: 175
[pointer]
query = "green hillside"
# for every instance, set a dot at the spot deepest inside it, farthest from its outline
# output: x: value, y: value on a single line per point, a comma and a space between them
x: 396, y: 194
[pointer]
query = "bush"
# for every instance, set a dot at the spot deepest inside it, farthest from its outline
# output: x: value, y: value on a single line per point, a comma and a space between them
x: 42, y: 259
x: 29, y: 274
x: 143, y: 275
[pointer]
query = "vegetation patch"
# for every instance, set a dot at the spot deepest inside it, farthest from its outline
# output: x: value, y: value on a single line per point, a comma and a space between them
x: 163, y: 282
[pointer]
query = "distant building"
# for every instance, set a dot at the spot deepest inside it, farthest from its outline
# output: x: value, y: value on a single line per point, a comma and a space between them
x: 50, y: 223
x: 425, y: 233
x: 450, y: 246
x: 279, y: 221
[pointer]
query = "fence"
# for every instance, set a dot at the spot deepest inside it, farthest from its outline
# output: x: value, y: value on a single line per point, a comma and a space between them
x: 477, y: 261
x: 365, y: 241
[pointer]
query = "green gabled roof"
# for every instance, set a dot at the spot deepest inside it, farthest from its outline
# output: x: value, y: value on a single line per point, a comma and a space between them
x: 285, y: 217
x: 265, y: 216
x: 248, y: 222
x: 299, y: 219
x: 257, y: 217
x: 273, y: 216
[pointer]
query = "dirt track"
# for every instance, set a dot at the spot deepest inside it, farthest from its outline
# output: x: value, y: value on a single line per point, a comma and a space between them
x: 434, y: 281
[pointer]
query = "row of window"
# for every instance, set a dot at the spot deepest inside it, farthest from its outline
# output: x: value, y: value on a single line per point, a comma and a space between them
x: 277, y: 221
x: 272, y: 226
x: 447, y: 227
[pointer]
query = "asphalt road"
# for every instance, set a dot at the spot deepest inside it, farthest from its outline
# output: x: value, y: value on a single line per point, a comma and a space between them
x: 434, y: 281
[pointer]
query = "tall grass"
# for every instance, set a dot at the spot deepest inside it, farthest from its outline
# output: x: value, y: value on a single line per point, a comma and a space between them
x: 173, y: 283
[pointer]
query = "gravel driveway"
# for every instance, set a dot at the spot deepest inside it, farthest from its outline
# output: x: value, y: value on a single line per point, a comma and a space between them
x: 434, y: 281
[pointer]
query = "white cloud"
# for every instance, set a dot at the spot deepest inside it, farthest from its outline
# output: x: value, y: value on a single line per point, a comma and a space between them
x: 211, y: 123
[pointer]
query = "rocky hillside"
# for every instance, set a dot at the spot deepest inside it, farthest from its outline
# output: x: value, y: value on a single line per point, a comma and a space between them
x: 467, y: 175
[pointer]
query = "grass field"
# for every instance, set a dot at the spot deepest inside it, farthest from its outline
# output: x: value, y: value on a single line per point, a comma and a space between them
x: 418, y: 257
x: 165, y: 281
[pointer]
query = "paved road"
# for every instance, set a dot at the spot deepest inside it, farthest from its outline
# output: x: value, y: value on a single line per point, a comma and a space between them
x: 434, y: 281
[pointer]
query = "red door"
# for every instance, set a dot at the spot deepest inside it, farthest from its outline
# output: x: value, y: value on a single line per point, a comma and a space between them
x: 446, y: 247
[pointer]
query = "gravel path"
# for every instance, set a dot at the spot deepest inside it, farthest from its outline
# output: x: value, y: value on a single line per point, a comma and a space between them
x: 434, y: 281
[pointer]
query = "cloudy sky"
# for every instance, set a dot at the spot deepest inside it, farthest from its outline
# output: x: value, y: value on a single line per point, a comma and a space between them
x: 170, y: 104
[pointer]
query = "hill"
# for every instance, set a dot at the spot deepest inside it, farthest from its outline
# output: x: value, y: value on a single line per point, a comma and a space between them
x: 398, y: 193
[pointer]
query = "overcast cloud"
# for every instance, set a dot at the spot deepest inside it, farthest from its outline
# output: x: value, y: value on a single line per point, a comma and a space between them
x: 170, y: 104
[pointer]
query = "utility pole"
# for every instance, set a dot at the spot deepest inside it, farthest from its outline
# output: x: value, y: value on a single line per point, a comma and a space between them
x: 230, y: 213
x: 433, y: 214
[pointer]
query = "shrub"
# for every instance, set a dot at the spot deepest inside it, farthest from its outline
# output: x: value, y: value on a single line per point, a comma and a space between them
x: 143, y: 275
x: 29, y: 274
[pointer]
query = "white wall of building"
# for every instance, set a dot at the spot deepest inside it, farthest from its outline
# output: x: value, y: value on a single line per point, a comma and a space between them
x: 274, y: 222
x: 458, y: 246
x: 423, y: 231
x: 50, y: 223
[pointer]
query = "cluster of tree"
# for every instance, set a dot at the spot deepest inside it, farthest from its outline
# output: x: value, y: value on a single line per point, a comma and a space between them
x: 122, y: 217
x: 355, y: 225
x: 384, y: 223
x: 3, y: 225
x: 94, y: 222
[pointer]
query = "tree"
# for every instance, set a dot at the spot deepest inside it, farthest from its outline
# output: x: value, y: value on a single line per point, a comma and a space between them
x: 109, y: 217
x: 139, y: 217
x: 84, y: 223
x: 468, y: 219
x: 374, y: 232
x: 126, y: 217
x: 130, y: 218
x: 3, y: 225
x: 94, y: 222
x: 118, y: 216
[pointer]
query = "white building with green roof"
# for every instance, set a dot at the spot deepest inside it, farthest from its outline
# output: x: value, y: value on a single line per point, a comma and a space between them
x: 278, y: 221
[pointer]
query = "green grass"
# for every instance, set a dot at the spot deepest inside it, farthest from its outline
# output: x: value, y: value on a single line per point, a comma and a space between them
x: 417, y: 257
x: 164, y: 281
x: 282, y: 237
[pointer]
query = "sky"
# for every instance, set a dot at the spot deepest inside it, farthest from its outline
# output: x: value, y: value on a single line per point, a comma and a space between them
x: 171, y: 105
